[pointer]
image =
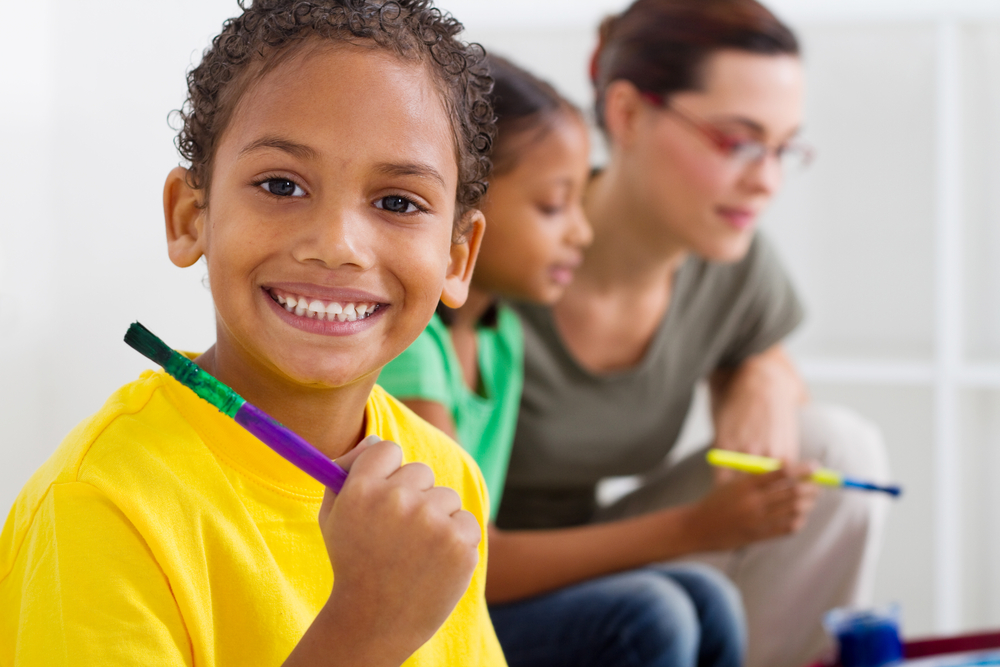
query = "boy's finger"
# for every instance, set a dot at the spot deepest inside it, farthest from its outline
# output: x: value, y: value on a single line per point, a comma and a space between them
x: 347, y: 460
x: 445, y: 499
x: 324, y: 510
x: 468, y: 528
x: 418, y: 475
x: 379, y: 460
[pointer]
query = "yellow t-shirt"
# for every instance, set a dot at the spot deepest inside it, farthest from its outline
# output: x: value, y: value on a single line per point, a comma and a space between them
x: 160, y: 532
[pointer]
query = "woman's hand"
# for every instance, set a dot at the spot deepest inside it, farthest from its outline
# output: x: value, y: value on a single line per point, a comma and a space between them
x: 749, y: 508
x: 403, y: 552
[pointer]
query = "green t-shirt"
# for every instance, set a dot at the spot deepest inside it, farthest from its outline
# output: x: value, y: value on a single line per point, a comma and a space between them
x: 484, y: 421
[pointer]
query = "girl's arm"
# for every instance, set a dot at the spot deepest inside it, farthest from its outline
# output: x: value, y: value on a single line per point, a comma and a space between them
x: 746, y: 509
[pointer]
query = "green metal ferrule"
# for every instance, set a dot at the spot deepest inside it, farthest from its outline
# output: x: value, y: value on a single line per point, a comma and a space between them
x: 207, y: 387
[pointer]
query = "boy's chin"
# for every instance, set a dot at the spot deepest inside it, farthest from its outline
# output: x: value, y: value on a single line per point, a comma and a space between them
x: 334, y: 378
x: 320, y: 372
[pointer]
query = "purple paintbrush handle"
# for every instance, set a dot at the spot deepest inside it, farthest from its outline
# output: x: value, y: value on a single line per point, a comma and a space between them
x: 290, y: 446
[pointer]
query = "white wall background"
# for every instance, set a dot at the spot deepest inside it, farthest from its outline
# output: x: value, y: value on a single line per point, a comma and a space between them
x: 892, y: 237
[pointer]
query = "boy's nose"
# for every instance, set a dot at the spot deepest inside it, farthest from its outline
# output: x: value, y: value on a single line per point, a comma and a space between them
x: 337, y: 238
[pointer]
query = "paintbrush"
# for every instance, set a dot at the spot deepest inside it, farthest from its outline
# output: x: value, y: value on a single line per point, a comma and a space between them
x: 279, y: 438
x: 760, y: 464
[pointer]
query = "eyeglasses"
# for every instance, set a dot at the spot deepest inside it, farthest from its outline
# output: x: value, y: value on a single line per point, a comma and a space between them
x: 742, y: 152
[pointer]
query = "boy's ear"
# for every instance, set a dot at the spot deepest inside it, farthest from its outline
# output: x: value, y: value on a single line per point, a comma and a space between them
x: 184, y: 215
x: 463, y: 260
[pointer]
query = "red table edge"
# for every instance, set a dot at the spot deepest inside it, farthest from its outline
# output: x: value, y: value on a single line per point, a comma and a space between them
x: 920, y: 648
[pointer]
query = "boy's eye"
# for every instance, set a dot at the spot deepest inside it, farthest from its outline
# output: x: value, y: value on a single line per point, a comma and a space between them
x: 282, y: 187
x: 396, y: 204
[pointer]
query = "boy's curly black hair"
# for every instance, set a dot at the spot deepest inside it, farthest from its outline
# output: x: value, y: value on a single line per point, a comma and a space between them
x: 269, y: 31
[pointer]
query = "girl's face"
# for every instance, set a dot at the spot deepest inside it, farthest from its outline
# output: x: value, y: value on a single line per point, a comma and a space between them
x: 536, y: 229
x: 686, y: 153
x: 329, y: 223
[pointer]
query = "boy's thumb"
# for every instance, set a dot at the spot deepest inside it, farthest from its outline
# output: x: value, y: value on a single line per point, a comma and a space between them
x: 347, y: 460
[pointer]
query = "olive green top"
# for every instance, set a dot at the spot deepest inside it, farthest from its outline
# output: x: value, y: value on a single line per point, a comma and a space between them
x: 576, y: 427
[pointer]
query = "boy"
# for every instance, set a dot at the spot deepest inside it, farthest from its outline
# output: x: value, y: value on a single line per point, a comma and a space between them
x: 336, y: 159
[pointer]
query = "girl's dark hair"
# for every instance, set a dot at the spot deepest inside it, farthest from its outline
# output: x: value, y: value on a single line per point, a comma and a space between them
x: 268, y: 32
x: 661, y: 45
x: 522, y: 103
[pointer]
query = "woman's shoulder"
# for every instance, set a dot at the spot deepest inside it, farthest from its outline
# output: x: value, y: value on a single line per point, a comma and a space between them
x: 739, y: 308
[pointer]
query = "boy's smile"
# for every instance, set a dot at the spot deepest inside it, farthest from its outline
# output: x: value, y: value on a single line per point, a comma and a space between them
x: 328, y: 225
x: 332, y: 307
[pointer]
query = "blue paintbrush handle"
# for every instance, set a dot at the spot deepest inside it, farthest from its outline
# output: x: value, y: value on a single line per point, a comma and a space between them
x: 891, y: 489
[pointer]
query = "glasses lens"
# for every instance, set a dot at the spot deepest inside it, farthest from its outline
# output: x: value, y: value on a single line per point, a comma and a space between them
x: 747, y: 152
x: 796, y: 157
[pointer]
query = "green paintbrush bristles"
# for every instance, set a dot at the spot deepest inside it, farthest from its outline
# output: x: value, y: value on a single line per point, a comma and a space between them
x: 142, y: 340
x: 183, y: 370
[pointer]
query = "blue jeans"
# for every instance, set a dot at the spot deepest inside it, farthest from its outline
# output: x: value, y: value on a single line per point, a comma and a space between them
x: 674, y: 615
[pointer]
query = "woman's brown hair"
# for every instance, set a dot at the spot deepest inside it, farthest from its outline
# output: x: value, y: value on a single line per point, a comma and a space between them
x: 661, y: 45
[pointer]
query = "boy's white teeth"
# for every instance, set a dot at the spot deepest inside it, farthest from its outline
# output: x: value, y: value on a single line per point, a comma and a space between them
x: 332, y: 312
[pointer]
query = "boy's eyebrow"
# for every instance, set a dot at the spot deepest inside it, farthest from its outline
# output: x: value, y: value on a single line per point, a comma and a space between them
x: 411, y: 169
x: 306, y: 152
x: 291, y: 147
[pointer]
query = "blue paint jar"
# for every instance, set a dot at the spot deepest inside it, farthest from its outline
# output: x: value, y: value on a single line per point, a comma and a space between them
x: 866, y: 638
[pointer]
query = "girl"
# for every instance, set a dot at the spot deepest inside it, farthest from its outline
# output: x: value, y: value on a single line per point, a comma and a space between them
x: 700, y: 102
x: 337, y: 155
x: 464, y: 375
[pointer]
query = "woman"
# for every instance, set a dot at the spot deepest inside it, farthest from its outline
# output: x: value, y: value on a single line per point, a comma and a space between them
x: 700, y: 102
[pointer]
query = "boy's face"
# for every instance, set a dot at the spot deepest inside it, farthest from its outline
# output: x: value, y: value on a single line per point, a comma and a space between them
x: 333, y: 189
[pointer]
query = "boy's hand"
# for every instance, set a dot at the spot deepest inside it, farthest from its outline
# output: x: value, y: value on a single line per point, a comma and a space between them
x: 748, y: 508
x: 403, y: 550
